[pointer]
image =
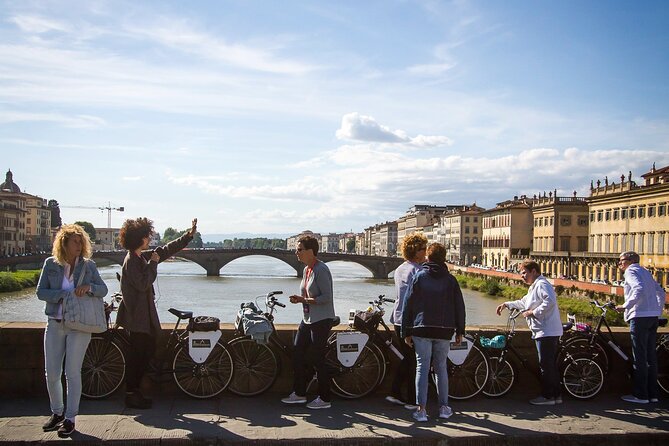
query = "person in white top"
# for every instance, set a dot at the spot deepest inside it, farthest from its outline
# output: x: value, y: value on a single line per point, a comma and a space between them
x: 540, y: 308
x: 644, y: 299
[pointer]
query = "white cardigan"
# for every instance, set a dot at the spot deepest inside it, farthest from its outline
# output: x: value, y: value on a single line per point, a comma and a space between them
x: 541, y: 299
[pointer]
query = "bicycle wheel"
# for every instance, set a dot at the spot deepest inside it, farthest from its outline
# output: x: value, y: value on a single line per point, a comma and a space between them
x: 204, y: 380
x: 580, y: 346
x: 582, y: 378
x: 255, y: 367
x: 663, y: 365
x: 361, y: 378
x: 103, y: 369
x: 500, y: 378
x: 469, y: 378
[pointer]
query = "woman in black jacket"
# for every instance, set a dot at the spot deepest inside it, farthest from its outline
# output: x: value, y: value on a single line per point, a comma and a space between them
x: 433, y: 311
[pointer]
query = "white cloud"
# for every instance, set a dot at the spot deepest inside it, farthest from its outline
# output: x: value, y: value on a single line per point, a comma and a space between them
x: 366, y: 181
x: 38, y: 25
x: 75, y: 121
x: 357, y: 127
x: 178, y: 34
x: 430, y: 70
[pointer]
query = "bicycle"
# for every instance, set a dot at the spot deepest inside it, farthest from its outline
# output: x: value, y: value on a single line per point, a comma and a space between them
x: 201, y: 365
x: 596, y: 343
x: 363, y: 372
x: 579, y: 374
x: 256, y: 365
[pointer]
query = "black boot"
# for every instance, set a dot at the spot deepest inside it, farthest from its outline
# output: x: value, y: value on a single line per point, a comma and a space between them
x: 136, y: 400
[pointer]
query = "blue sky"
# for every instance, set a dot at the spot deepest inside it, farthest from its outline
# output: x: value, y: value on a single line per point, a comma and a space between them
x: 275, y: 117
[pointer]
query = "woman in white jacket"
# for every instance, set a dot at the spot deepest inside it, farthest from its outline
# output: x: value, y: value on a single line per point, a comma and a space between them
x: 540, y: 308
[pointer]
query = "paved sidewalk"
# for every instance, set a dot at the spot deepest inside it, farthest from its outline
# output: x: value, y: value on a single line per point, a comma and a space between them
x: 264, y: 420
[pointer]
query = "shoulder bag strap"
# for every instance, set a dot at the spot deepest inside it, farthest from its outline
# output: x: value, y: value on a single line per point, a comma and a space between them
x: 82, y: 273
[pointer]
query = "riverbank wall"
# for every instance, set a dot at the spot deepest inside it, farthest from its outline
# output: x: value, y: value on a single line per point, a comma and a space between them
x: 22, y: 362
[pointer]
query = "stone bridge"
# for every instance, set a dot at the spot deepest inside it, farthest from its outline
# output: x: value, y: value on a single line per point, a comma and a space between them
x: 212, y: 260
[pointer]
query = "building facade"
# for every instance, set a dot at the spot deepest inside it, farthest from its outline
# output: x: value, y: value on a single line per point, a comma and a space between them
x: 625, y: 216
x: 38, y: 225
x: 560, y: 232
x: 330, y: 242
x: 13, y: 212
x: 419, y: 217
x: 107, y: 239
x: 460, y: 232
x: 507, y: 233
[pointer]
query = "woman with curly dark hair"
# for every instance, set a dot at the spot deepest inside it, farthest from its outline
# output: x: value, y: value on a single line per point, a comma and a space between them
x: 138, y: 313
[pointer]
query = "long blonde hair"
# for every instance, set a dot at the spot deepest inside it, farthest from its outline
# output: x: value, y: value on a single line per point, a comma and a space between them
x: 64, y: 234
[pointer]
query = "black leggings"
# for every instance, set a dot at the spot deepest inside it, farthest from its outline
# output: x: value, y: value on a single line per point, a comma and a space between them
x: 405, y: 376
x: 142, y: 349
x: 309, y: 354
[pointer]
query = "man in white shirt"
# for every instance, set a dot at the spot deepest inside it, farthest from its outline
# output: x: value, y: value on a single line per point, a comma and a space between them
x: 644, y: 299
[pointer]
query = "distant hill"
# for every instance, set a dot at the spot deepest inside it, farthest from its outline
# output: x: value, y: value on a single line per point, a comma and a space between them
x: 212, y: 238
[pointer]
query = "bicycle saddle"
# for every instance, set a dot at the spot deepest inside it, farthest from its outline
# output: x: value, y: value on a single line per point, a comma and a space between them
x: 567, y: 326
x: 181, y: 314
x: 335, y: 321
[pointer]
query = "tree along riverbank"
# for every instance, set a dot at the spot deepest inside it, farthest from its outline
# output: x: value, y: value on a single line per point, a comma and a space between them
x: 570, y: 300
x: 16, y: 281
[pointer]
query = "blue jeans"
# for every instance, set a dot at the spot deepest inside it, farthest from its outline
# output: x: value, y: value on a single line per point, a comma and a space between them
x: 643, y: 331
x: 433, y: 351
x: 547, y: 349
x: 62, y: 343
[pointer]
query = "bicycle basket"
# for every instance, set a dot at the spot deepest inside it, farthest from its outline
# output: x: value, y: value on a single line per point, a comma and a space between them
x: 366, y: 320
x: 498, y: 341
x: 203, y: 323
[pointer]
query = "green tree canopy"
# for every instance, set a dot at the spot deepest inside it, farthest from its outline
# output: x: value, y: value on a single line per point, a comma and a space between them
x: 172, y: 234
x: 89, y: 228
x: 56, y: 221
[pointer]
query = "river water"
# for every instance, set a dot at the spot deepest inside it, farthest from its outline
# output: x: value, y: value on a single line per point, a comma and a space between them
x: 185, y: 286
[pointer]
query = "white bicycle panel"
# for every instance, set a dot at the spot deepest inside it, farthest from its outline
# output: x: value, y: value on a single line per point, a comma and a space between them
x: 349, y: 346
x: 458, y: 352
x: 201, y: 343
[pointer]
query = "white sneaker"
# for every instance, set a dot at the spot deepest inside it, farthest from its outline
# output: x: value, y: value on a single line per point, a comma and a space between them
x: 445, y: 412
x: 318, y: 403
x: 294, y: 399
x: 419, y: 416
x: 410, y: 406
x: 392, y: 399
x: 633, y: 399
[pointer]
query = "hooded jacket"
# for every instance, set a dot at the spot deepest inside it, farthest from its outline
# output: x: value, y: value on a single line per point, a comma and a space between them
x: 433, y: 305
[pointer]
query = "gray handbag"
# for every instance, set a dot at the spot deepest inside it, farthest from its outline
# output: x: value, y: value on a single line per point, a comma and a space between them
x: 85, y: 313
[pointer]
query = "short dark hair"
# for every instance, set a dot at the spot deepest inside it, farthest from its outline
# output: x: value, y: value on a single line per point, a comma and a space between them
x: 309, y: 242
x: 436, y: 253
x: 133, y: 231
x: 530, y: 265
x: 632, y: 256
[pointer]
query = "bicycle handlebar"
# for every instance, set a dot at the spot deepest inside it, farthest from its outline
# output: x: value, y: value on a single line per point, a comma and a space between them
x: 271, y: 301
x: 605, y: 305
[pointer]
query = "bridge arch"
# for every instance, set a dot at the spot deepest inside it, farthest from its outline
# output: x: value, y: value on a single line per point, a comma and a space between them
x: 212, y: 260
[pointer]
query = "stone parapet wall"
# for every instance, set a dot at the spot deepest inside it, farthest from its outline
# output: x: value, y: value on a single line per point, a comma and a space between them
x: 22, y: 363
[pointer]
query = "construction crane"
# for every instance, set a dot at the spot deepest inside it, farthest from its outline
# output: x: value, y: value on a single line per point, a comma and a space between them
x: 107, y: 208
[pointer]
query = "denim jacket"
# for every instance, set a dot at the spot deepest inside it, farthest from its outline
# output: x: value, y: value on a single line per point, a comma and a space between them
x: 49, y: 287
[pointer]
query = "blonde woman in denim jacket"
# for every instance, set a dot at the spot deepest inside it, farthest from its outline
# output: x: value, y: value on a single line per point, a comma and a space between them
x: 58, y: 278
